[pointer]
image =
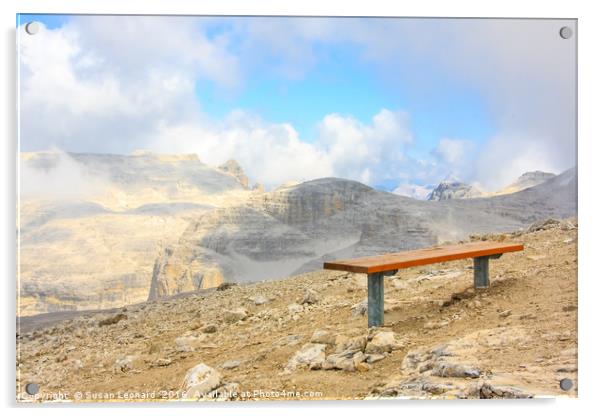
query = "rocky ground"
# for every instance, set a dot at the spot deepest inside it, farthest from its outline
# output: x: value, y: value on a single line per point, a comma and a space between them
x: 306, y: 337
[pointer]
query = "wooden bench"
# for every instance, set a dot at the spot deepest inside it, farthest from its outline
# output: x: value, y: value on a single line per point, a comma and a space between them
x: 377, y: 267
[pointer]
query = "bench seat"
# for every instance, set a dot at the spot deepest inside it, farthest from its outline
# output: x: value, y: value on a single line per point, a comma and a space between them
x: 376, y: 267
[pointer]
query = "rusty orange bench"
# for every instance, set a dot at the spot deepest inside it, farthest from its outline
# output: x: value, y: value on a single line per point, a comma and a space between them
x: 376, y: 267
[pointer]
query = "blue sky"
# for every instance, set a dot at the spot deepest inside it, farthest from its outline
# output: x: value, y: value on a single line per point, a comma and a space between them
x: 442, y: 98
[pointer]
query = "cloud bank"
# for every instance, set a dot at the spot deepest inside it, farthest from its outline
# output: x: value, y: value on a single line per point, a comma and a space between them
x: 116, y: 84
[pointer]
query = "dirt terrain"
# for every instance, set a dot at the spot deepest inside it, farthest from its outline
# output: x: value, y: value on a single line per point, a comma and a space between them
x: 306, y: 337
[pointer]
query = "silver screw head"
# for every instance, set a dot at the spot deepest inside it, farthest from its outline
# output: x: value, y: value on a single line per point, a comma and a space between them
x: 32, y: 388
x: 32, y: 28
x: 566, y: 32
x: 566, y: 384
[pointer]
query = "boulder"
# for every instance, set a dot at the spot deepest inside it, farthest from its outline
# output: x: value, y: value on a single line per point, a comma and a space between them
x: 340, y: 361
x: 200, y: 380
x: 382, y: 342
x: 310, y: 355
x: 354, y: 344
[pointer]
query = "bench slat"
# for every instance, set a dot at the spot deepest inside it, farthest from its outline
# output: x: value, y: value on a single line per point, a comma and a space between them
x: 395, y: 261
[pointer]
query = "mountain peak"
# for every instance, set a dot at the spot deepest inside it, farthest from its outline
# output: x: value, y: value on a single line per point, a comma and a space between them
x: 232, y: 167
x: 453, y: 188
x: 536, y: 175
x: 527, y: 180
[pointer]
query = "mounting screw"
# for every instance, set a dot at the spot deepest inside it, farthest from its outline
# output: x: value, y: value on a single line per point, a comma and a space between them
x: 566, y: 384
x: 32, y: 388
x: 32, y: 28
x: 566, y: 32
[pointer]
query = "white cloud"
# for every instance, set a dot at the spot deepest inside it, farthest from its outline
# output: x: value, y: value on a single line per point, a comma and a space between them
x: 521, y: 67
x: 89, y: 89
x: 63, y: 178
x: 273, y: 153
x: 452, y: 151
x: 505, y: 158
x: 368, y: 153
x: 413, y: 191
x: 104, y: 84
x: 86, y: 88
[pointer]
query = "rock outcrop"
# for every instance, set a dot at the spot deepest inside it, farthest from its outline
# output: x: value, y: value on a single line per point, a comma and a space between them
x: 453, y: 189
x: 232, y: 167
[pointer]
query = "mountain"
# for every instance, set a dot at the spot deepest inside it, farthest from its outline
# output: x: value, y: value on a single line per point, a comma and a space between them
x: 295, y: 229
x: 91, y: 225
x: 161, y: 225
x: 453, y: 189
x: 526, y: 180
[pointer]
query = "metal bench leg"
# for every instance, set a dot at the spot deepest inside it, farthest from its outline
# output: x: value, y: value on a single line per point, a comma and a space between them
x: 376, y: 299
x: 481, y: 272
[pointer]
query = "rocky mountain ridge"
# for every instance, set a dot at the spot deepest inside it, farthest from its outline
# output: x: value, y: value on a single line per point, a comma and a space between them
x: 295, y: 229
x: 160, y: 225
x: 453, y: 188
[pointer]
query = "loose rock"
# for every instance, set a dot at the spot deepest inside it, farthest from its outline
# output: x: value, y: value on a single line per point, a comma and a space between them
x: 124, y: 364
x: 209, y: 329
x: 382, y: 342
x: 113, y: 319
x: 445, y: 369
x: 235, y: 315
x: 295, y: 308
x: 360, y: 309
x: 310, y: 297
x: 310, y: 355
x: 200, y: 380
x: 229, y: 365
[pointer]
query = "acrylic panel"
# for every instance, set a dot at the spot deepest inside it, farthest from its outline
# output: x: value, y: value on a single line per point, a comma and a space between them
x: 295, y: 208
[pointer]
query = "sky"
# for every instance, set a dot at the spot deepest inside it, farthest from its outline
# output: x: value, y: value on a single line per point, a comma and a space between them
x: 398, y: 104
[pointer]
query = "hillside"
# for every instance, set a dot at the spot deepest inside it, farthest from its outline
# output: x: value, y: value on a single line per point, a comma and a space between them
x: 526, y: 180
x: 295, y: 229
x: 100, y: 231
x: 91, y: 225
x: 516, y: 339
